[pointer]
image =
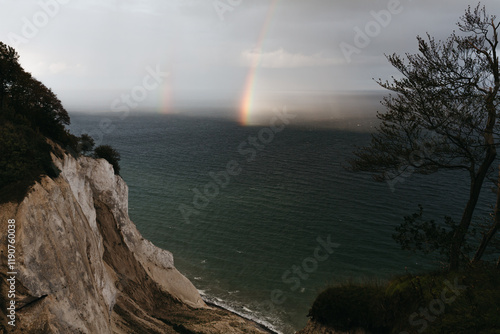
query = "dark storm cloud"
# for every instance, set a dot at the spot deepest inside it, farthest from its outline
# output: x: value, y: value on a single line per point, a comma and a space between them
x: 102, y: 48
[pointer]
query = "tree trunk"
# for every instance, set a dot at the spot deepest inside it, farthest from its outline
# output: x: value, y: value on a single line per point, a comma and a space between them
x: 461, y: 231
x: 478, y: 179
x: 493, y: 230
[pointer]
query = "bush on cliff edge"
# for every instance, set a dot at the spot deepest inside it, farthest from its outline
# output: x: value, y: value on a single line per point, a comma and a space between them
x: 453, y: 302
x: 30, y: 113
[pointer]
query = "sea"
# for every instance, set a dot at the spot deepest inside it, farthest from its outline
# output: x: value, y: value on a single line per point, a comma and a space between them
x: 260, y: 220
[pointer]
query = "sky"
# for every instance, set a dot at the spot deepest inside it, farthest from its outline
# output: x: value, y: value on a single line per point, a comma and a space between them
x: 242, y: 57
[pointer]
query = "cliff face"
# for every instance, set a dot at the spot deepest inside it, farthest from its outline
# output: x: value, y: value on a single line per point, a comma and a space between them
x: 83, y: 267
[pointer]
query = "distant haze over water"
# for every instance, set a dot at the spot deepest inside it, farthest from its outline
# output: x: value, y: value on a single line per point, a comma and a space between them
x: 321, y: 107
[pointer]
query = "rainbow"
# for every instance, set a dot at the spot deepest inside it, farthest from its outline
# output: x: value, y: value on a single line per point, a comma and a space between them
x: 249, y: 89
x: 166, y: 100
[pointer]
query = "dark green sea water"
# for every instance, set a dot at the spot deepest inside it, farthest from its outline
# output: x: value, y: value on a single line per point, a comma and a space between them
x: 257, y: 244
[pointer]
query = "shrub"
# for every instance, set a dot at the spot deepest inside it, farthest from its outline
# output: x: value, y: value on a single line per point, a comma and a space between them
x: 472, y: 307
x: 110, y: 154
x: 85, y: 143
x: 351, y: 306
x: 24, y: 156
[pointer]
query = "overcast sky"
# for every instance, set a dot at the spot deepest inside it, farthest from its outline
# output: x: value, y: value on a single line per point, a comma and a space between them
x: 92, y: 52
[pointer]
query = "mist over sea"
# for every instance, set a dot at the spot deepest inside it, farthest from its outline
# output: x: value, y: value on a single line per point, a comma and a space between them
x: 279, y: 218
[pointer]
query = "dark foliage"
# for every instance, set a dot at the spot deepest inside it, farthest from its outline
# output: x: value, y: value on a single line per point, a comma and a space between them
x: 110, y: 154
x: 29, y: 114
x: 426, y: 236
x: 442, y: 115
x: 85, y: 143
x: 349, y: 307
x: 465, y: 302
x: 23, y: 154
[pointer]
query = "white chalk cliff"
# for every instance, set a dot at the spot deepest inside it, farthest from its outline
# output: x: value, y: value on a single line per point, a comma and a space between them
x: 83, y: 267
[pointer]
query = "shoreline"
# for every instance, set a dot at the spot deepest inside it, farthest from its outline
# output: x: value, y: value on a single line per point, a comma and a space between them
x: 257, y: 324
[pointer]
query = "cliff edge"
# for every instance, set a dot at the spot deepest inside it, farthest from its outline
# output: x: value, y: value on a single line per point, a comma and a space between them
x: 81, y: 266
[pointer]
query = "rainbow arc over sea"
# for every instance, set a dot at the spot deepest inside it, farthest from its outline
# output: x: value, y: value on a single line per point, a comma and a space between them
x: 246, y: 105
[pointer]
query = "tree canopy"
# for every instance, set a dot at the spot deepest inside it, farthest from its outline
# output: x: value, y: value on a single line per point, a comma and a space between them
x: 85, y: 143
x: 30, y: 113
x: 25, y: 100
x: 442, y: 114
x: 109, y: 154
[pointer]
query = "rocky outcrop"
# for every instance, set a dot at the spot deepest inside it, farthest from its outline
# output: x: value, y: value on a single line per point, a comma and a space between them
x: 83, y: 267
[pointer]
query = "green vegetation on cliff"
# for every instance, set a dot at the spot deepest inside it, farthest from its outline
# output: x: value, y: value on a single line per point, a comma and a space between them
x: 110, y: 154
x: 30, y: 113
x: 452, y: 302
